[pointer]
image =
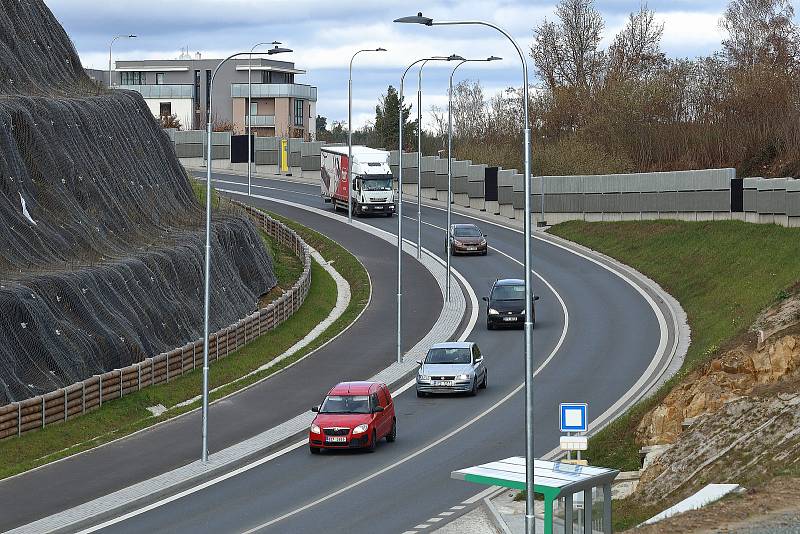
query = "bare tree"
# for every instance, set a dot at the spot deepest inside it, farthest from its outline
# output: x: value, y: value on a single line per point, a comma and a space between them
x: 637, y: 48
x: 760, y: 32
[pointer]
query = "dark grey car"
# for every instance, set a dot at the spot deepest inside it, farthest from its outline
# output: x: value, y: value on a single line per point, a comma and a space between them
x: 452, y: 367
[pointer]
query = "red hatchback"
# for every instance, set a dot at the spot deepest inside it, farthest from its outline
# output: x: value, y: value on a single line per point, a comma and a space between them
x: 354, y: 415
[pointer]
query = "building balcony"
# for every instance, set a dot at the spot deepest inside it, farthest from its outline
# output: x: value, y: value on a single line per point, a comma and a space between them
x: 171, y: 91
x: 275, y: 90
x: 260, y: 120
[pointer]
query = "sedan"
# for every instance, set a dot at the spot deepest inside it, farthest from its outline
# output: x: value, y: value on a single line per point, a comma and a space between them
x: 467, y: 239
x: 453, y: 367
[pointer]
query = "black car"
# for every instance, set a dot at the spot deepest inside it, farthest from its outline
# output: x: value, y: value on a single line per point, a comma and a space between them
x: 506, y: 304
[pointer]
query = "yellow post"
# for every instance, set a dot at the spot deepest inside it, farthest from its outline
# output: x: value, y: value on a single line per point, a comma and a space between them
x: 284, y: 155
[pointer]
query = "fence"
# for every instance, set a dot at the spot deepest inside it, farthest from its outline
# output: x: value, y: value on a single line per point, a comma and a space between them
x: 71, y: 401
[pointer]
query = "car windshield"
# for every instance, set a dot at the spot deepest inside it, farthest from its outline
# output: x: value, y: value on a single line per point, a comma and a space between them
x: 460, y: 355
x: 467, y: 231
x: 376, y: 183
x: 345, y: 404
x: 516, y: 292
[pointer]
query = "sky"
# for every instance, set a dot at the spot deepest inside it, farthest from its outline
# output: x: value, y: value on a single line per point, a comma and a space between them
x: 324, y: 35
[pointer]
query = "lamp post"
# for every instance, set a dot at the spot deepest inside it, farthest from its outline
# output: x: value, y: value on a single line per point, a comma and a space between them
x: 419, y: 147
x: 350, y: 133
x: 207, y: 285
x: 530, y: 526
x: 110, y: 47
x: 271, y: 51
x: 450, y: 160
x: 400, y: 206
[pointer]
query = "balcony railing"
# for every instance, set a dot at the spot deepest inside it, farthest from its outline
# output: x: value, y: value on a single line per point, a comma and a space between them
x: 275, y: 90
x: 161, y: 91
x: 261, y: 120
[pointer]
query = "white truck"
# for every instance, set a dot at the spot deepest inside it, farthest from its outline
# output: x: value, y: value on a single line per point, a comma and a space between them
x: 372, y: 180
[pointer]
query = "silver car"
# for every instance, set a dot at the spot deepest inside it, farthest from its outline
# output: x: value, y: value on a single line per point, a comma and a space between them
x: 453, y: 367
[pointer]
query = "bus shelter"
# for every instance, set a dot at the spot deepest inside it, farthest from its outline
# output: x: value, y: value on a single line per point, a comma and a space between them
x: 577, y: 498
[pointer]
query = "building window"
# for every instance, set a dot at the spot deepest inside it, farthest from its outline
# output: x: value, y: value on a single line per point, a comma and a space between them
x: 298, y: 112
x: 159, y: 78
x: 253, y: 108
x: 132, y: 78
x: 165, y: 109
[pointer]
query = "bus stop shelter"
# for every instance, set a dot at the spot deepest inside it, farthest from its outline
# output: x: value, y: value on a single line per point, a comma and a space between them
x: 581, y: 494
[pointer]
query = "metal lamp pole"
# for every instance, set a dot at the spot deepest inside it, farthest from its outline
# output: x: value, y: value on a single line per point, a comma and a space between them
x: 110, y: 47
x: 419, y: 146
x: 449, y: 162
x: 207, y: 284
x: 350, y: 133
x: 400, y: 211
x: 530, y: 525
x: 271, y: 51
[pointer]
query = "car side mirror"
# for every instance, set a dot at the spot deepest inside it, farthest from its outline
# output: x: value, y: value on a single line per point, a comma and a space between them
x: 315, y: 409
x: 377, y: 409
x: 485, y: 235
x: 536, y: 297
x: 485, y: 299
x: 419, y: 362
x: 479, y: 359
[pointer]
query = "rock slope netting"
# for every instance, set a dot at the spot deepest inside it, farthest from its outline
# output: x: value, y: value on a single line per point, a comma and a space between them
x: 101, y: 239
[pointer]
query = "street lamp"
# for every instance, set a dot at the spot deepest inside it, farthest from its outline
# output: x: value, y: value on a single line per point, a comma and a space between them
x: 271, y: 51
x: 450, y: 159
x: 350, y: 133
x: 110, y: 46
x: 419, y: 148
x: 530, y: 526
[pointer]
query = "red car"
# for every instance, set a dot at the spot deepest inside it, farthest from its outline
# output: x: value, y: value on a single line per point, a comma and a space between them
x: 354, y: 415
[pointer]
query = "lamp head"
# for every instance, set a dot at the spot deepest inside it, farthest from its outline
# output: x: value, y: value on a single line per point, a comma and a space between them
x: 493, y: 58
x: 380, y: 50
x: 132, y: 36
x: 455, y: 57
x: 416, y: 19
x: 278, y: 50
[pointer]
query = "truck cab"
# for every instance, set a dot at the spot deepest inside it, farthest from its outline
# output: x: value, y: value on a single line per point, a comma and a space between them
x: 372, y: 191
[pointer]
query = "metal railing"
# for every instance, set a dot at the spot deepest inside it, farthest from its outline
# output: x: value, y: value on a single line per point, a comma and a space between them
x: 160, y: 91
x: 275, y: 90
x: 260, y: 120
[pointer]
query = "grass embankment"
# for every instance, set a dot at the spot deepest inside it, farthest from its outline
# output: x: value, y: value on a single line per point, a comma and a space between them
x: 129, y: 414
x: 723, y: 274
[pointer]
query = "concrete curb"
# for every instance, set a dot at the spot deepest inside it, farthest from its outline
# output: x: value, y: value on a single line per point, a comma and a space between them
x: 495, y: 516
x: 149, y: 491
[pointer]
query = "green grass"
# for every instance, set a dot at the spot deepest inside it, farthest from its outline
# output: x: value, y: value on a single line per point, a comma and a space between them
x: 723, y: 273
x: 124, y: 416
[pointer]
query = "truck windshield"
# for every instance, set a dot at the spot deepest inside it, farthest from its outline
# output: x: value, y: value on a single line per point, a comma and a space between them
x: 376, y: 183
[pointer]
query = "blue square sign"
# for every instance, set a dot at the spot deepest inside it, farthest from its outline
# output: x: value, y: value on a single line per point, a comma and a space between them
x: 573, y: 417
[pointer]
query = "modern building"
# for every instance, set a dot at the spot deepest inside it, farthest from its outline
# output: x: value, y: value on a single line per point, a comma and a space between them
x: 280, y: 107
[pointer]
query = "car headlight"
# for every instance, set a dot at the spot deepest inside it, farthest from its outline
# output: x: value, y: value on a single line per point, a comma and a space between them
x: 522, y: 312
x: 457, y: 243
x: 492, y: 311
x: 360, y: 429
x: 462, y: 377
x: 423, y: 377
x: 483, y: 241
x: 315, y: 429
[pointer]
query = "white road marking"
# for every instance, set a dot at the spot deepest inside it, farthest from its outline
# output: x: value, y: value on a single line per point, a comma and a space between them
x: 447, y: 513
x: 457, y: 507
x: 422, y: 526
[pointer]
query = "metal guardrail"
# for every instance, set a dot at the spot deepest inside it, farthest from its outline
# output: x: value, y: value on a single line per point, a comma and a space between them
x: 74, y: 400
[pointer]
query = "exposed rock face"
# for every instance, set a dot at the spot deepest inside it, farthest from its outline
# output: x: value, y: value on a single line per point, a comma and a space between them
x: 732, y: 375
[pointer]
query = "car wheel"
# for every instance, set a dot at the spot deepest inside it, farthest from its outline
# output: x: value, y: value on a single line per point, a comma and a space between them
x: 485, y: 252
x: 314, y: 450
x: 474, y: 390
x: 392, y: 436
x: 373, y: 443
x: 421, y: 394
x: 485, y: 378
x: 489, y: 326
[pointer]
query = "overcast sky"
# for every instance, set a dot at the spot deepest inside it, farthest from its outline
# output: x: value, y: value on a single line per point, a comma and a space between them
x: 324, y: 34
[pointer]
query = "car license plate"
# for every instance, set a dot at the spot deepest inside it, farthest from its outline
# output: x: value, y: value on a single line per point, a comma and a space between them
x: 472, y: 248
x: 336, y: 439
x: 378, y: 207
x: 509, y: 319
x: 443, y: 383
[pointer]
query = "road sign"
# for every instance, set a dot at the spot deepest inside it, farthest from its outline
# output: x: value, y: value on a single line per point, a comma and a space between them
x: 573, y: 417
x: 574, y: 443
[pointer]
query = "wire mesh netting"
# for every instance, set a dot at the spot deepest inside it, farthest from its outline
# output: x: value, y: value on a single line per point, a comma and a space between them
x: 101, y: 238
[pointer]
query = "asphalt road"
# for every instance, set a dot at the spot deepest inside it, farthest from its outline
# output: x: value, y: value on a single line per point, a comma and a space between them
x: 368, y: 347
x: 611, y: 337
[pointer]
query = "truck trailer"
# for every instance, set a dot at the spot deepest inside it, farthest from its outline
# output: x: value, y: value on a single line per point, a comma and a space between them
x: 372, y: 180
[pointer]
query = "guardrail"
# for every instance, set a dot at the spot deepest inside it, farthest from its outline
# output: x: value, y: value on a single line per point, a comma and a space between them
x: 81, y: 397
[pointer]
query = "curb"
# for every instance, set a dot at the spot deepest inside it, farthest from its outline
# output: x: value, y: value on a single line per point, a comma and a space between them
x: 495, y: 515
